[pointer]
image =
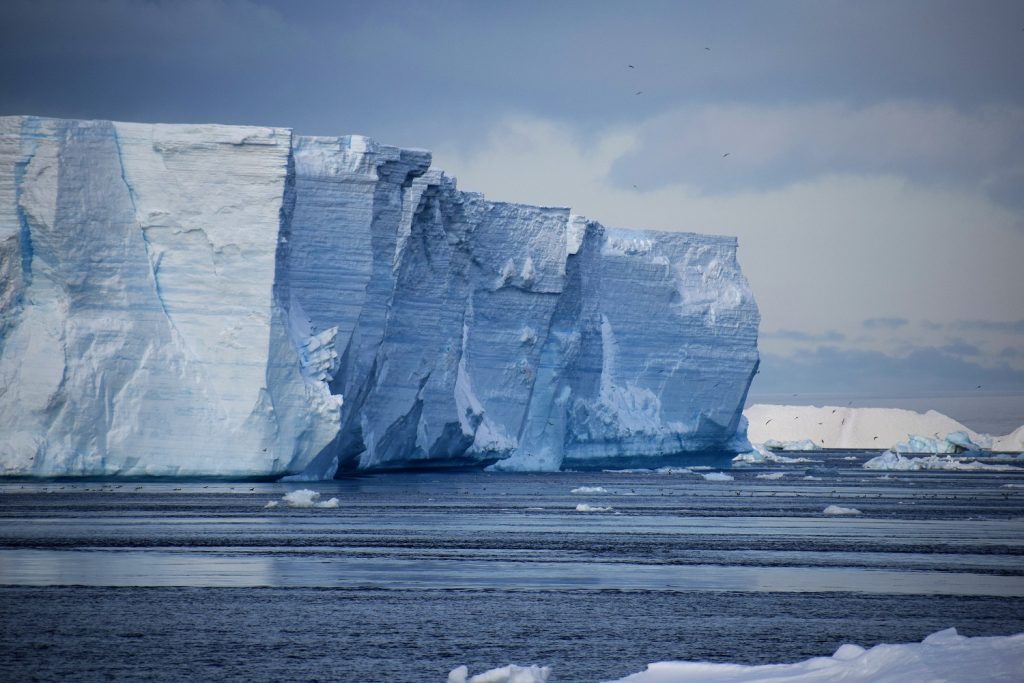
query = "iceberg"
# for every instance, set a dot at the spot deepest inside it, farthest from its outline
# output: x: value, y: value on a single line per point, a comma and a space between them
x: 891, y: 461
x: 239, y: 301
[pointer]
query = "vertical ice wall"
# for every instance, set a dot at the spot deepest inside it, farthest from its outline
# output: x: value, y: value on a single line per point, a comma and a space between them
x: 237, y: 301
x: 140, y: 343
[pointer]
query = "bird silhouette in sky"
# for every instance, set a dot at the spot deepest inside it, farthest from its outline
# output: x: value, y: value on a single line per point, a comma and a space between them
x: 639, y: 92
x: 725, y: 155
x: 631, y: 66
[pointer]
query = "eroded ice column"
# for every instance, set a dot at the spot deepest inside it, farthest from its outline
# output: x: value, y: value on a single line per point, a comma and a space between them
x: 346, y: 232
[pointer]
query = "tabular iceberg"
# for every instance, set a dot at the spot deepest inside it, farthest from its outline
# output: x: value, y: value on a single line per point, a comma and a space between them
x: 239, y: 301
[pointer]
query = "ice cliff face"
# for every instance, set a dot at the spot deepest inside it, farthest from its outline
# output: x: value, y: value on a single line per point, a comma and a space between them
x: 238, y: 301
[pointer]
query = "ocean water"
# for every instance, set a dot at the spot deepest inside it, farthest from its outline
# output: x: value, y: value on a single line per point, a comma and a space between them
x: 414, y: 574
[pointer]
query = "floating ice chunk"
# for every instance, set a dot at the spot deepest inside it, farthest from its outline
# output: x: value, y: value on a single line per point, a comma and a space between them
x: 761, y: 455
x: 945, y: 655
x: 717, y: 476
x: 840, y: 510
x: 583, y: 507
x: 896, y: 462
x: 505, y: 674
x: 589, y: 490
x: 771, y: 475
x: 300, y: 498
x: 271, y: 504
x: 305, y: 498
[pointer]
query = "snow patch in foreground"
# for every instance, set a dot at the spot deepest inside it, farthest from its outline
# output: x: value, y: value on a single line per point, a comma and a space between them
x: 505, y: 674
x: 945, y: 656
x: 896, y: 462
x: 589, y: 490
x: 840, y: 510
x: 305, y: 498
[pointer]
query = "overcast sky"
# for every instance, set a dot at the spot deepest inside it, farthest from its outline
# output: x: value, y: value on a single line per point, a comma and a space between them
x: 875, y: 168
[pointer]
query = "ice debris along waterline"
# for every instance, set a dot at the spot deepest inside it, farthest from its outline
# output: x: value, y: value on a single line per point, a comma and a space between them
x: 945, y: 656
x: 237, y: 301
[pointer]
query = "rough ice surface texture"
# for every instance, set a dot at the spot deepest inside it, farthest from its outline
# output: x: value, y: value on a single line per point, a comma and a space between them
x: 943, y: 656
x: 235, y: 301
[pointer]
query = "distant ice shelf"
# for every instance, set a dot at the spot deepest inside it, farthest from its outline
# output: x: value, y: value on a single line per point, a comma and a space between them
x: 237, y: 301
x: 784, y: 427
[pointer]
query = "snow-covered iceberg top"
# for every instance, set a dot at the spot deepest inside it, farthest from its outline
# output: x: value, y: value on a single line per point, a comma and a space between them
x: 944, y: 656
x: 237, y: 301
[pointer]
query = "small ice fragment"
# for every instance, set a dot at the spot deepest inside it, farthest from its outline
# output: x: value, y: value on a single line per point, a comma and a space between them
x: 583, y: 507
x: 717, y: 476
x: 840, y: 510
x: 271, y: 504
x: 458, y: 674
x: 332, y: 503
x: 589, y: 490
x: 771, y: 475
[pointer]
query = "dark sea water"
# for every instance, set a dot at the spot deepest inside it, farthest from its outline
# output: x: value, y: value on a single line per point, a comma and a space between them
x: 414, y: 574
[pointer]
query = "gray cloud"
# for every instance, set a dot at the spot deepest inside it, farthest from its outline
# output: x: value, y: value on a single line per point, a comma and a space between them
x: 770, y: 146
x: 885, y: 323
x: 406, y: 71
x: 799, y: 335
x: 1003, y: 326
x: 923, y: 372
x: 958, y: 347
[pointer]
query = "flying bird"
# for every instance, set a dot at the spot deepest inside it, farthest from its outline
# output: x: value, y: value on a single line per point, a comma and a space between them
x: 639, y: 92
x: 631, y: 66
x: 708, y: 49
x: 725, y: 155
x: 766, y: 423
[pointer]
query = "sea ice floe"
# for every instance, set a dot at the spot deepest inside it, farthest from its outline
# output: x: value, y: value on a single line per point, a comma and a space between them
x: 840, y: 510
x: 505, y: 674
x: 945, y: 656
x: 771, y: 475
x: 583, y: 507
x: 305, y: 498
x: 589, y: 490
x: 717, y: 476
